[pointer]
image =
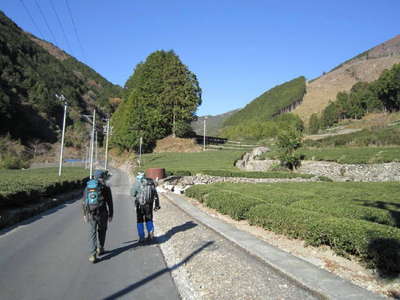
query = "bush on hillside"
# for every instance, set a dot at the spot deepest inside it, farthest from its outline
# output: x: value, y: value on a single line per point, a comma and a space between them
x: 288, y: 142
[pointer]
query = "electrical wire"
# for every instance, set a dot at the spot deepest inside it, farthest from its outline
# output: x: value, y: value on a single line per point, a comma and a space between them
x: 74, y: 26
x: 62, y: 27
x: 47, y: 24
x: 32, y: 20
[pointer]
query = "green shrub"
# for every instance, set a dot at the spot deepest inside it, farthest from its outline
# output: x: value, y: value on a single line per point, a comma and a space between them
x: 344, y: 216
x: 13, y: 162
x: 231, y: 203
x: 23, y: 187
x: 344, y: 236
x: 336, y: 208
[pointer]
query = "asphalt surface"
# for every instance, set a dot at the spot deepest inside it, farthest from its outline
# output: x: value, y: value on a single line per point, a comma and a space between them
x: 46, y: 257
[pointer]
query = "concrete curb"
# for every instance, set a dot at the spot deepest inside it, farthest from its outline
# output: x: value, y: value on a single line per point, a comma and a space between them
x: 317, y: 280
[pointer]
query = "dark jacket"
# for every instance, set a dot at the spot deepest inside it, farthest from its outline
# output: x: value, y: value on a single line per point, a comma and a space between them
x: 137, y: 187
x: 107, y: 196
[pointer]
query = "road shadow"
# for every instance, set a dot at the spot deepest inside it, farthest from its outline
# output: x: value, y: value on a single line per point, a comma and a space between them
x: 112, y: 253
x: 174, y: 230
x: 145, y: 280
x: 166, y: 236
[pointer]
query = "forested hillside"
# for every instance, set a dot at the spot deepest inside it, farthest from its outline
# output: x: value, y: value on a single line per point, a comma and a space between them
x: 269, y: 103
x: 213, y: 123
x: 32, y: 71
x: 267, y: 115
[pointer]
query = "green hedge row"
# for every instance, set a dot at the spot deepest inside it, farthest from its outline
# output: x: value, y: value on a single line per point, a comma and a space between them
x: 22, y: 187
x: 337, y: 209
x: 376, y: 245
x: 30, y: 196
x: 226, y: 173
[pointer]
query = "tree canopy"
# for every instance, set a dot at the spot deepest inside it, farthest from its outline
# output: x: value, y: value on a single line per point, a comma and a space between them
x: 160, y: 98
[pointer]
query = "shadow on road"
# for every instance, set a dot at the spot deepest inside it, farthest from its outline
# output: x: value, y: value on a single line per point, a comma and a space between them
x: 166, y: 236
x: 112, y: 253
x: 137, y: 284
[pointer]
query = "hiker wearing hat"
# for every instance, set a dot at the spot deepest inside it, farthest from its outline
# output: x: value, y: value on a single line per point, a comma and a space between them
x: 145, y: 195
x: 97, y: 211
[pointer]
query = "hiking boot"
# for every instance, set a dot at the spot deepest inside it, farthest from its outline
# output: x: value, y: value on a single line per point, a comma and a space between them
x: 92, y: 258
x: 100, y: 251
x: 150, y: 237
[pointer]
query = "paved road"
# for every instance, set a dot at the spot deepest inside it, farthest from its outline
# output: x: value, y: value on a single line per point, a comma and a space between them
x: 46, y: 257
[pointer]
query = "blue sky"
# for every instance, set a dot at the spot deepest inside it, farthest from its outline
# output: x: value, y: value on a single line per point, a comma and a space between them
x: 238, y: 49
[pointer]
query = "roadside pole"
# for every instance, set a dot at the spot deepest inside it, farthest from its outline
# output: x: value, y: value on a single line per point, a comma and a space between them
x: 62, y: 98
x: 140, y: 150
x: 87, y: 156
x: 96, y: 149
x: 106, y: 153
x: 204, y: 134
x: 92, y: 144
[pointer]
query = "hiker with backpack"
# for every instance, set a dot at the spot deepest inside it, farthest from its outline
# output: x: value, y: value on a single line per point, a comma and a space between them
x: 97, y: 211
x: 145, y: 195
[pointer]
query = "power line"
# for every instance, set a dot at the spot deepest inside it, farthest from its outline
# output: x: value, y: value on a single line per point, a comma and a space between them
x: 62, y: 27
x: 33, y: 21
x: 76, y: 31
x: 47, y: 24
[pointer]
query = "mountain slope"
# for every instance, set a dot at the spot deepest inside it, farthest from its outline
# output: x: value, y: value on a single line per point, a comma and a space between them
x: 270, y: 103
x: 213, y: 123
x: 366, y: 66
x: 32, y: 71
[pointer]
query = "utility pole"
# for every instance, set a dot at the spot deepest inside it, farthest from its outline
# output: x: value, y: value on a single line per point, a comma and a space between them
x: 92, y: 144
x: 62, y: 98
x: 96, y: 149
x: 106, y: 152
x: 87, y: 156
x: 140, y: 150
x: 204, y: 134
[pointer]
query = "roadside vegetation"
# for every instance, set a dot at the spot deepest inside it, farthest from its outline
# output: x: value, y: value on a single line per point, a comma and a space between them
x: 353, y: 155
x: 360, y: 219
x: 213, y: 163
x: 192, y: 162
x: 24, y: 187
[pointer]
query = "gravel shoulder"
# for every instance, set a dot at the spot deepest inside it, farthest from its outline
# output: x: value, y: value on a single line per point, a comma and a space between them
x: 205, y: 265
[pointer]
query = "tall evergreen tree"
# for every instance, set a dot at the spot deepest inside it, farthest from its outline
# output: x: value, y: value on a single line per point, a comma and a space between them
x: 161, y: 97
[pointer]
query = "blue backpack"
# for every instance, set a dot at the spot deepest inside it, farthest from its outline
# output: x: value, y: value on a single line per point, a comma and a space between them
x: 94, y: 195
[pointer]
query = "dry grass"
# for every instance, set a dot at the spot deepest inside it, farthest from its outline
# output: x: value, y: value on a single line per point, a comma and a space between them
x: 171, y: 144
x: 325, y: 88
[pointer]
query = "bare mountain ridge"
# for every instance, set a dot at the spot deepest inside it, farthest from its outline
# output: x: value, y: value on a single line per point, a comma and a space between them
x: 53, y: 50
x: 366, y: 66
